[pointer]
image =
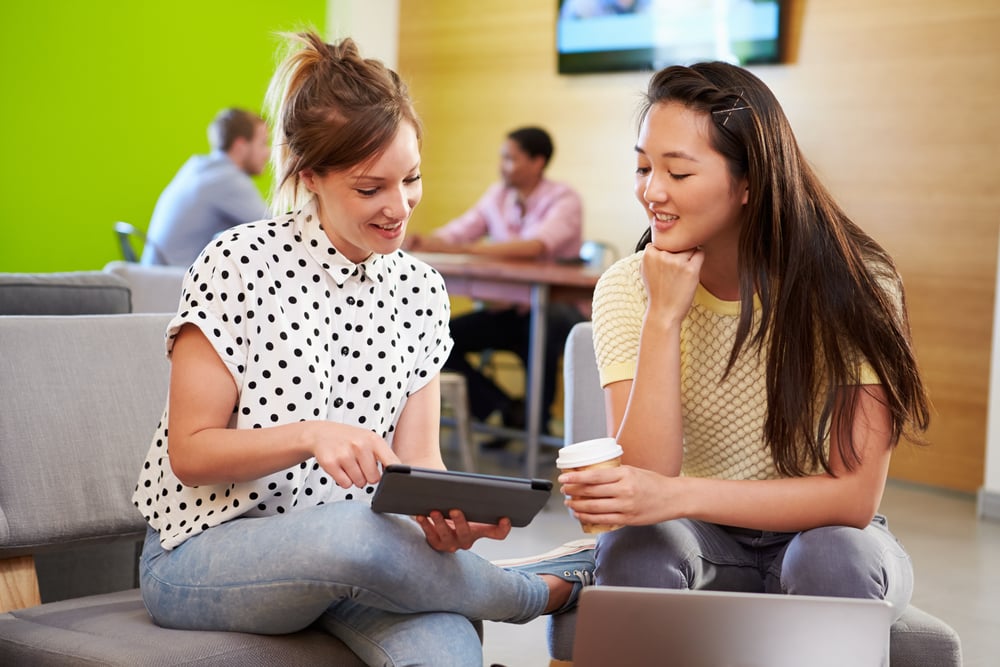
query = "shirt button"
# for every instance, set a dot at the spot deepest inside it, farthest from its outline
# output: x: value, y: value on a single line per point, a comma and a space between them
x: 350, y: 301
x: 337, y: 402
x: 345, y: 351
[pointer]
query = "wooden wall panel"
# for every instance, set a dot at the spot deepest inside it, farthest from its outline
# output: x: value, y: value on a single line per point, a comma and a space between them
x: 895, y: 103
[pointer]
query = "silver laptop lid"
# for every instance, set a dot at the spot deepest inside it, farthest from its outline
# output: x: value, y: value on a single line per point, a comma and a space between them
x: 622, y: 627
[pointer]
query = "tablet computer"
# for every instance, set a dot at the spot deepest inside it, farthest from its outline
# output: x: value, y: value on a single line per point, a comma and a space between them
x: 482, y: 498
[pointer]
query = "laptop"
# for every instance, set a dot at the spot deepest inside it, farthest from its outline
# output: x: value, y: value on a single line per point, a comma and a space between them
x: 651, y: 626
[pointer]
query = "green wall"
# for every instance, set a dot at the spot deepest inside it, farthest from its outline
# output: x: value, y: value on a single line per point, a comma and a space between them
x: 102, y: 101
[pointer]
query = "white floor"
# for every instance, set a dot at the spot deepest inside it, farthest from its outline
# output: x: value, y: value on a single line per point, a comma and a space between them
x: 956, y: 557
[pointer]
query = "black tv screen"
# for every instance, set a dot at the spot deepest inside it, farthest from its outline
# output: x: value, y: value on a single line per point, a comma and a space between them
x: 618, y: 35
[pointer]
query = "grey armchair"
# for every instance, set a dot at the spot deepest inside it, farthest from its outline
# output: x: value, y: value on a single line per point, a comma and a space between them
x: 81, y: 397
x: 63, y: 293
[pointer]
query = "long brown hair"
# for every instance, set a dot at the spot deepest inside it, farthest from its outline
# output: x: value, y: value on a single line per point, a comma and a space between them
x: 331, y: 110
x: 828, y: 291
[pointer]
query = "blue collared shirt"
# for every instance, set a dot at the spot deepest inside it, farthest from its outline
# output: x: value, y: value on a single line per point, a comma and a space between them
x: 208, y: 195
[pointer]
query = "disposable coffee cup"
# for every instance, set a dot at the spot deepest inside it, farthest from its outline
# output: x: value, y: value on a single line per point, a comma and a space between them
x: 588, y: 455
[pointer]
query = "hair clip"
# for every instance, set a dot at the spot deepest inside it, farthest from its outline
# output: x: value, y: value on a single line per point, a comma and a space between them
x: 729, y: 112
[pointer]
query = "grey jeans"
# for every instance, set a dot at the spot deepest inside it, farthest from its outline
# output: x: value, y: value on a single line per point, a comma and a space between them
x: 835, y: 561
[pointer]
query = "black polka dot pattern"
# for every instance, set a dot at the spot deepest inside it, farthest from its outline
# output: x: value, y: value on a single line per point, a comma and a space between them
x: 306, y: 334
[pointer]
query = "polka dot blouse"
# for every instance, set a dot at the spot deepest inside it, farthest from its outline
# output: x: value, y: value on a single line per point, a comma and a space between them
x: 306, y: 334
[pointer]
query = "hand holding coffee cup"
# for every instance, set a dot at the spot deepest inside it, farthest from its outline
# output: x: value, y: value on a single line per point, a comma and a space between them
x: 588, y: 455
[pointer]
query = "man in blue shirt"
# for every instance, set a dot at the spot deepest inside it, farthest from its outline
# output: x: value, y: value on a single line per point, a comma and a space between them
x: 210, y: 193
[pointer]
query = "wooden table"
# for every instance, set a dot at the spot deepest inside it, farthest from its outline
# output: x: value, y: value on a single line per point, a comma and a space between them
x: 529, y: 282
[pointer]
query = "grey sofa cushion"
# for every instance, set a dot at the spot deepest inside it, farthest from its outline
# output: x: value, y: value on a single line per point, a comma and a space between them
x: 114, y: 629
x: 99, y: 568
x: 155, y: 289
x: 918, y: 638
x: 81, y: 399
x: 72, y: 293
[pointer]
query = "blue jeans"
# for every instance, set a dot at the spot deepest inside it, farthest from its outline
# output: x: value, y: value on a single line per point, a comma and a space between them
x: 833, y: 561
x: 369, y: 579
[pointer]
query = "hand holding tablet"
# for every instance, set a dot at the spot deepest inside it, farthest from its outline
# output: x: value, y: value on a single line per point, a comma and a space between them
x: 481, y: 498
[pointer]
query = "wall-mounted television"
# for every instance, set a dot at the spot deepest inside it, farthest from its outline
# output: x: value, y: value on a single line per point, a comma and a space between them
x: 618, y: 35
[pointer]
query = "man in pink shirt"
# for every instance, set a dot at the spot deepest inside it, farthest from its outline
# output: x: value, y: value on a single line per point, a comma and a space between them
x: 524, y: 216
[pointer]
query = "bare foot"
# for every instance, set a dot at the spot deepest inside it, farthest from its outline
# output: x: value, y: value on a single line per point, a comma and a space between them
x: 559, y: 590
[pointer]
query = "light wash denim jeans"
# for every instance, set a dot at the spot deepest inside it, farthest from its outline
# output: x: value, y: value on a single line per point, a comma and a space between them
x: 370, y: 579
x: 834, y: 561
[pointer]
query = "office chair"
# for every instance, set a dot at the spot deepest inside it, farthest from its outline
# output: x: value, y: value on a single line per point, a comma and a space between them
x: 128, y: 234
x: 598, y: 254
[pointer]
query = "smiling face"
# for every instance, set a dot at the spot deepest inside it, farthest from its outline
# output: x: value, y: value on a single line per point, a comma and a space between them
x: 684, y: 184
x: 365, y: 208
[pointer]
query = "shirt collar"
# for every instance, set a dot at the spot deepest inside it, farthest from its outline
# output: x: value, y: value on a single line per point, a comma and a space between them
x: 219, y: 155
x: 334, y: 262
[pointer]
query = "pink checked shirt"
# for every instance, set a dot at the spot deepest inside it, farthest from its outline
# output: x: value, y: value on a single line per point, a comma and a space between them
x: 553, y: 214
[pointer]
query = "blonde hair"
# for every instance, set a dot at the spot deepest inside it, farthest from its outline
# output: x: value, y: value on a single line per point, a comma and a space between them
x: 330, y: 110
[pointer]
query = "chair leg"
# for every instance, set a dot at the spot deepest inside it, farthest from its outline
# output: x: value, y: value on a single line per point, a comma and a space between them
x: 18, y: 584
x: 455, y: 394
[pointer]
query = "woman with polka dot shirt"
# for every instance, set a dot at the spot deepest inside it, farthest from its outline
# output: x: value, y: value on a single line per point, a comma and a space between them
x: 304, y: 357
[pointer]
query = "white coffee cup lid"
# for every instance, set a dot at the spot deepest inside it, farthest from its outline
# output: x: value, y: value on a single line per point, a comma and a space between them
x: 588, y: 453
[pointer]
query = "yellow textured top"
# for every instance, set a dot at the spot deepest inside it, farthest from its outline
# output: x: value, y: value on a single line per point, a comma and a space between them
x: 723, y: 417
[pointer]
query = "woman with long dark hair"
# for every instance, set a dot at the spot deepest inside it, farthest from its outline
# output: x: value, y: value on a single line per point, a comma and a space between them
x: 757, y: 365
